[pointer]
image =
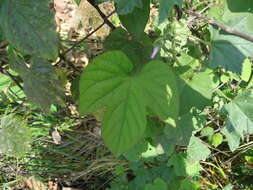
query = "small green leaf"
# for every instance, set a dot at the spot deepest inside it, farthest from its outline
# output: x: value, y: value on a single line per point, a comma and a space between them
x: 14, y: 136
x: 136, y: 21
x: 246, y: 70
x: 196, y: 150
x: 216, y: 139
x: 30, y: 27
x: 78, y: 1
x: 165, y: 7
x: 207, y: 131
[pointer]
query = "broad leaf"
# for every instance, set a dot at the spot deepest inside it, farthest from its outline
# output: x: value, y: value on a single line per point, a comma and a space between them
x: 29, y: 26
x: 41, y: 83
x: 165, y: 7
x: 237, y: 16
x: 229, y: 51
x: 14, y: 136
x: 240, y: 116
x: 136, y: 21
x: 127, y: 6
x: 109, y: 82
x: 195, y: 90
x: 196, y: 150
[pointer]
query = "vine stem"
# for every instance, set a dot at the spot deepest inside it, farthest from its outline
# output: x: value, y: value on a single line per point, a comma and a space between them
x: 219, y: 24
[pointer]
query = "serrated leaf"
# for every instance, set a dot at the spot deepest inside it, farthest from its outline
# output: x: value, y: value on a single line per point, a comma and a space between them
x: 136, y: 21
x: 41, y: 83
x: 127, y: 6
x: 29, y: 26
x: 196, y: 150
x: 109, y: 82
x: 14, y: 136
x: 240, y: 118
x: 195, y: 90
x: 165, y: 7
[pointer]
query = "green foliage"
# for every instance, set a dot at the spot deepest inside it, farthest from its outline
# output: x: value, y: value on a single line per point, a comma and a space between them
x: 14, y: 136
x: 240, y: 118
x: 165, y: 7
x: 166, y: 89
x: 29, y: 26
x: 196, y: 150
x: 41, y: 83
x: 136, y: 21
x: 111, y: 78
x: 127, y: 6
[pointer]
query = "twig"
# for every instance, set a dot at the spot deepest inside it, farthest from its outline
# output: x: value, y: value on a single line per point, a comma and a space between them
x: 87, y: 36
x: 104, y: 17
x: 219, y: 24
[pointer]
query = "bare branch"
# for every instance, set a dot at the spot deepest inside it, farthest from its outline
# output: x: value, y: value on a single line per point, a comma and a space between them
x: 104, y: 17
x: 219, y: 24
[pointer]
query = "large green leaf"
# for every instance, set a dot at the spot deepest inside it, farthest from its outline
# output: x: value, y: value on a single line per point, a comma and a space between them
x: 165, y: 7
x: 136, y: 21
x: 41, y: 83
x: 195, y: 90
x: 227, y: 50
x: 127, y: 6
x: 240, y: 118
x: 108, y: 82
x: 14, y: 136
x: 29, y: 26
